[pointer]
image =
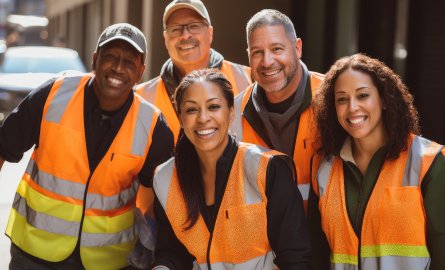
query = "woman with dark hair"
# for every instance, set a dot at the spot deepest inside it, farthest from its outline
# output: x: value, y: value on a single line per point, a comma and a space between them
x: 220, y: 204
x: 378, y: 194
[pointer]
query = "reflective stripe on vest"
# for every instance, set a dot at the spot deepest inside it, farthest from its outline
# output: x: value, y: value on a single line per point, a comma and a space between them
x: 49, y: 203
x: 240, y: 233
x: 383, y: 245
x: 258, y: 263
x: 305, y: 136
x: 238, y: 75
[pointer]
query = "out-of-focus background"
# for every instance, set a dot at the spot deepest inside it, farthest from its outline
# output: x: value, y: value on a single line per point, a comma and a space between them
x: 408, y: 35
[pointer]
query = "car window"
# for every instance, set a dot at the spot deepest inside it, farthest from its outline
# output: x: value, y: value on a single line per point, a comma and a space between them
x: 41, y: 64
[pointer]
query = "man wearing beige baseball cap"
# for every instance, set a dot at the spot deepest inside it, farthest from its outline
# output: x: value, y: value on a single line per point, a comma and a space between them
x: 188, y: 35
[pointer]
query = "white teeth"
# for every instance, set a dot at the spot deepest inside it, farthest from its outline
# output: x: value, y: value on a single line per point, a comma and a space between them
x: 273, y: 72
x: 114, y: 81
x: 357, y: 120
x: 205, y: 131
x: 187, y: 47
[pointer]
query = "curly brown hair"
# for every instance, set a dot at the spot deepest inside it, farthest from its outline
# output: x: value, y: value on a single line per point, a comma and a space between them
x: 400, y: 118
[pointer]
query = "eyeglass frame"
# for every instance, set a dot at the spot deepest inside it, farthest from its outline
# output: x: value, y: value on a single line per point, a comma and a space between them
x: 186, y: 26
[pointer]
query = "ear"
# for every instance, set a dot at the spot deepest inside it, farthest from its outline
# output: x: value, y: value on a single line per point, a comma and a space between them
x: 232, y: 114
x: 165, y: 39
x: 210, y: 33
x: 93, y: 64
x: 141, y: 72
x: 299, y: 47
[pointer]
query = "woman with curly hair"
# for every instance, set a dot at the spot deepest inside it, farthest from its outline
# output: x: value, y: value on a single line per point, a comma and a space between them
x: 378, y: 188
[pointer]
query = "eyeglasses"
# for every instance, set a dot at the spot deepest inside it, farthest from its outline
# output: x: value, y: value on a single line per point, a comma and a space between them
x: 193, y: 28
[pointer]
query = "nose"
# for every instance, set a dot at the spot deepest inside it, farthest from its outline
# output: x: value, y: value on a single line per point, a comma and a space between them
x: 203, y: 116
x: 185, y: 31
x: 267, y: 58
x: 118, y: 65
x: 353, y: 105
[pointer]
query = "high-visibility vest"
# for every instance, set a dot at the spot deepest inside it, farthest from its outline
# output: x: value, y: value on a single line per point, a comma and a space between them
x: 393, y: 232
x: 239, y: 239
x: 305, y: 138
x: 154, y: 91
x: 59, y: 201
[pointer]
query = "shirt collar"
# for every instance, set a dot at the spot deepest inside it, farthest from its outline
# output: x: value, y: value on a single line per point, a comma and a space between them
x: 346, y: 151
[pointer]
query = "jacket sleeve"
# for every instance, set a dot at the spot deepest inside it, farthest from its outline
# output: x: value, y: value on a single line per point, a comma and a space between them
x: 433, y: 190
x: 21, y: 129
x: 160, y: 150
x: 286, y: 223
x: 169, y: 252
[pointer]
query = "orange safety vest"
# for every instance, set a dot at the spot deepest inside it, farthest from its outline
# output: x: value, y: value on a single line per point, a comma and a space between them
x: 59, y: 201
x: 304, y: 141
x: 239, y: 239
x: 154, y: 91
x: 393, y: 232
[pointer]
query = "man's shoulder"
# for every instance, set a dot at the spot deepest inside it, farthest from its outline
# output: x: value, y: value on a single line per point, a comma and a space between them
x: 151, y: 83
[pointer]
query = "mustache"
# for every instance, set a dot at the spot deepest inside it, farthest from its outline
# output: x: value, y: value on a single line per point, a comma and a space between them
x: 188, y: 42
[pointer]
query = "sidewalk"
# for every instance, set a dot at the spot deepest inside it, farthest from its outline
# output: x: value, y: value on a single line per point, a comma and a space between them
x: 9, y: 179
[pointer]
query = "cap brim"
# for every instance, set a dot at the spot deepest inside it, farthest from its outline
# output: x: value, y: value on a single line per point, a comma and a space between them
x: 181, y: 6
x: 136, y: 46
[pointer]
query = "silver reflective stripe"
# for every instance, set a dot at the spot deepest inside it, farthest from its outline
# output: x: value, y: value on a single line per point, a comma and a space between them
x: 304, y: 190
x: 323, y: 174
x: 418, y: 149
x: 54, y: 184
x: 162, y: 180
x: 251, y: 166
x: 396, y: 263
x: 76, y: 190
x: 62, y: 98
x: 149, y: 91
x: 108, y: 239
x: 96, y: 201
x: 240, y: 75
x: 44, y: 222
x: 259, y: 263
x: 142, y: 128
x: 341, y: 266
x: 237, y: 126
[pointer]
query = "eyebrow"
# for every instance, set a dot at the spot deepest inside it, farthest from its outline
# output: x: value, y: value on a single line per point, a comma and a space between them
x: 208, y: 100
x: 358, y: 89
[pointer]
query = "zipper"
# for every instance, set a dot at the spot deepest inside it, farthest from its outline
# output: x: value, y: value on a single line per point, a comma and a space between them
x: 84, y: 207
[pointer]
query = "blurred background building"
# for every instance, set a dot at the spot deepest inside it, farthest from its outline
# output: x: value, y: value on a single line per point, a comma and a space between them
x: 408, y: 35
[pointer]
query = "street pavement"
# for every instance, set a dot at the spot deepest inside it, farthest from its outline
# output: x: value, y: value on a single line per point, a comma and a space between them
x: 10, y: 176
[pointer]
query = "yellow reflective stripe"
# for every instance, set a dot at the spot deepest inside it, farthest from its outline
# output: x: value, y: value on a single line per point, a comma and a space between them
x: 41, y: 244
x: 106, y: 258
x: 344, y: 259
x: 102, y: 224
x: 49, y: 206
x: 394, y: 250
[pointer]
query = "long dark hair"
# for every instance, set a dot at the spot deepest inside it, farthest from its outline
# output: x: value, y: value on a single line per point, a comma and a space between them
x: 186, y: 157
x: 400, y: 117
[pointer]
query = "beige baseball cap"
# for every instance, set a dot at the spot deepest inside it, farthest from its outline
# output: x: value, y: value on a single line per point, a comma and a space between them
x: 196, y: 5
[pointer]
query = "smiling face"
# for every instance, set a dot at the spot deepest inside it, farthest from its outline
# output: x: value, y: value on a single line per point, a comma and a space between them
x: 188, y: 49
x: 206, y: 117
x: 274, y: 61
x: 118, y: 66
x: 359, y: 106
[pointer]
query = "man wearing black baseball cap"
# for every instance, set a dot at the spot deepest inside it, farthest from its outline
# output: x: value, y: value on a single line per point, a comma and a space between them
x: 188, y: 35
x: 96, y: 144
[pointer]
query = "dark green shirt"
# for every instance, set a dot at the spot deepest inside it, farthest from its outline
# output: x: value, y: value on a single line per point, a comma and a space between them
x: 358, y: 189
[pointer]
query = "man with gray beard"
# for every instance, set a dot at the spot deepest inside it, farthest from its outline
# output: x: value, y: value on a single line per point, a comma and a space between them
x: 275, y: 111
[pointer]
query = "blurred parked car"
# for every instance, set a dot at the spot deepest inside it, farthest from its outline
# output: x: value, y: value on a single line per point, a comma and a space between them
x: 26, y: 67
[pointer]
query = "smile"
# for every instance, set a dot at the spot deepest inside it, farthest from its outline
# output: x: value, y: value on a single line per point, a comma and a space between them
x: 357, y: 120
x: 206, y: 132
x: 114, y: 82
